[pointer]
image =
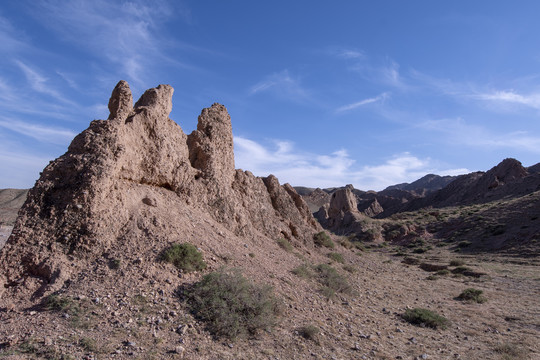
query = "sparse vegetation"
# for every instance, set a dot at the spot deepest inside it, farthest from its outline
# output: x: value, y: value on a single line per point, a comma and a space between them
x: 88, y: 344
x: 464, y: 244
x: 285, y: 244
x: 323, y: 239
x: 425, y: 317
x: 115, y: 264
x: 510, y: 351
x: 432, y: 267
x: 303, y: 271
x: 233, y: 306
x: 185, y: 257
x: 332, y: 281
x: 457, y: 262
x: 55, y: 302
x: 472, y: 295
x: 337, y: 257
x: 309, y: 332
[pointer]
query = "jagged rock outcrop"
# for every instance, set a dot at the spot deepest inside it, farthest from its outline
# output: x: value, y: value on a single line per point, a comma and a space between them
x: 342, y: 210
x: 135, y: 183
x: 373, y: 209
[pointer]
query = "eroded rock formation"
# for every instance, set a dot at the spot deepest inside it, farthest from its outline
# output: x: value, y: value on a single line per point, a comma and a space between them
x: 136, y: 182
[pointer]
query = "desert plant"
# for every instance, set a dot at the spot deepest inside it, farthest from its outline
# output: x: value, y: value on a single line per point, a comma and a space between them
x: 303, y: 271
x: 185, y: 257
x: 115, y: 264
x: 465, y: 271
x: 472, y: 295
x: 323, y: 239
x: 425, y: 317
x: 442, y: 272
x: 88, y: 344
x: 233, y: 306
x: 457, y: 262
x: 432, y: 267
x: 346, y: 243
x: 337, y: 257
x: 331, y: 280
x: 464, y: 244
x: 309, y: 332
x: 285, y: 244
x: 57, y: 302
x: 510, y: 351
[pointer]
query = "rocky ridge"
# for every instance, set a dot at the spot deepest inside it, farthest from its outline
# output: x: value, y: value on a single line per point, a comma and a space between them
x: 136, y: 182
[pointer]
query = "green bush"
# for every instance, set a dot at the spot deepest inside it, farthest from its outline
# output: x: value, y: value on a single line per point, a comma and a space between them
x: 303, y: 271
x: 185, y: 257
x: 332, y: 281
x: 464, y: 244
x: 56, y: 302
x: 425, y: 317
x: 285, y: 244
x: 233, y: 306
x: 323, y: 239
x: 472, y: 295
x: 457, y: 262
x: 309, y: 332
x: 432, y: 267
x: 442, y: 272
x: 337, y: 257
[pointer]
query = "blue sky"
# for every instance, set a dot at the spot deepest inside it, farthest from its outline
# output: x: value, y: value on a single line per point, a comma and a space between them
x: 320, y: 93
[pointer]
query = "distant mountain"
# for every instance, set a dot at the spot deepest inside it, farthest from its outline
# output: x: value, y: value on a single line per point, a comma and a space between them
x: 430, y: 182
x: 11, y: 201
x: 508, y: 179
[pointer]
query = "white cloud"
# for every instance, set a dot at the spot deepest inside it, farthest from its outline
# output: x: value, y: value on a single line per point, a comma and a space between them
x: 355, y: 105
x: 39, y: 132
x: 38, y: 82
x: 511, y: 97
x: 126, y: 33
x: 281, y: 84
x: 329, y: 170
x: 458, y: 131
x: 10, y: 38
x: 351, y: 54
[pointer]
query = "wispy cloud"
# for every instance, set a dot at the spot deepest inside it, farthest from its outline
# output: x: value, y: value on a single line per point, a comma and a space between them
x: 351, y: 54
x: 10, y: 38
x: 458, y: 131
x: 39, y: 83
x: 281, y: 84
x: 42, y: 133
x: 511, y: 97
x: 360, y: 103
x: 328, y: 170
x: 131, y: 39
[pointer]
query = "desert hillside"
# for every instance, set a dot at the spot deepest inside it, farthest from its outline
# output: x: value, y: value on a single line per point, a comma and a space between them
x: 143, y: 242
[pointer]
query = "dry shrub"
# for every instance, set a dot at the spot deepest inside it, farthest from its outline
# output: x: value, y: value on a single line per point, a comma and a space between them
x: 323, y: 239
x: 233, y: 306
x: 425, y: 317
x: 185, y: 257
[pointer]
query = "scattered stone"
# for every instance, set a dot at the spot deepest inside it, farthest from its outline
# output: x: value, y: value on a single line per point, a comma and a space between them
x: 179, y: 350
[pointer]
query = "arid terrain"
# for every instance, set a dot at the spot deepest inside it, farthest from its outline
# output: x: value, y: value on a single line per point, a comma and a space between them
x: 84, y: 274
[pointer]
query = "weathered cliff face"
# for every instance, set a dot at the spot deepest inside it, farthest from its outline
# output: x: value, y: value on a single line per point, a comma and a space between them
x: 136, y: 181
